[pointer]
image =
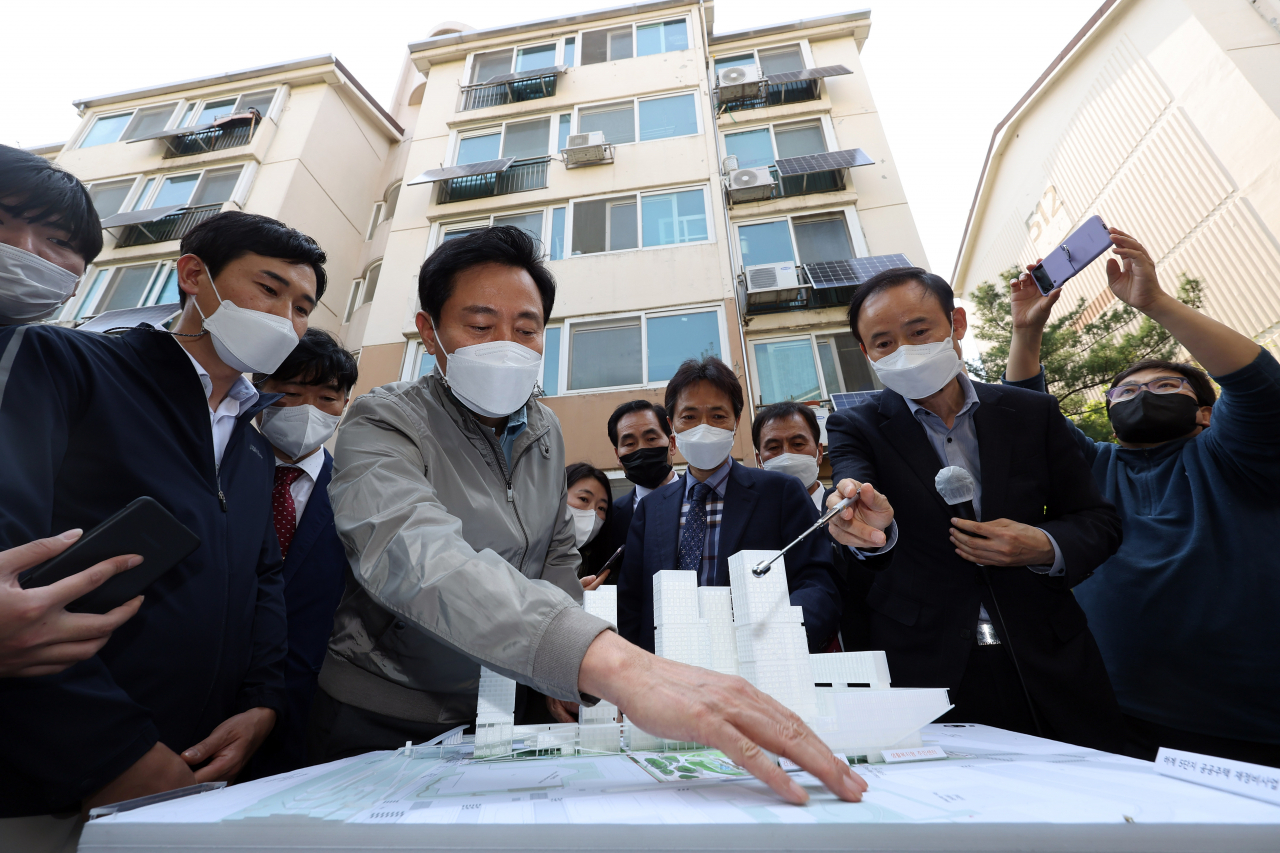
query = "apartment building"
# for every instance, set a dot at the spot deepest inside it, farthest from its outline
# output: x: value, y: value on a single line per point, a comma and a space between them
x: 1163, y: 117
x: 697, y: 193
x: 612, y: 136
x: 299, y: 141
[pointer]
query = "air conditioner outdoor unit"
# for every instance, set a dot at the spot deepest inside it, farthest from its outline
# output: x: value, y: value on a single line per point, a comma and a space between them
x: 581, y: 149
x: 740, y: 81
x: 750, y: 184
x: 770, y: 283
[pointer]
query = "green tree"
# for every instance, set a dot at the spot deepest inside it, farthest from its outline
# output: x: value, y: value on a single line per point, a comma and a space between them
x: 1079, y: 358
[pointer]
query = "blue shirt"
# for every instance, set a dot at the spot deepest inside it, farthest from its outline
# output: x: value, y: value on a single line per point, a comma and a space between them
x: 958, y: 445
x: 718, y: 481
x: 516, y: 422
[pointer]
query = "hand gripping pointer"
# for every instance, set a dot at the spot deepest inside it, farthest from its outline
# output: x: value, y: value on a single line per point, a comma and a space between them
x: 762, y: 569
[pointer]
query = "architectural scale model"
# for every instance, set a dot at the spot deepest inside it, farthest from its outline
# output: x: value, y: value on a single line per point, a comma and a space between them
x: 749, y: 628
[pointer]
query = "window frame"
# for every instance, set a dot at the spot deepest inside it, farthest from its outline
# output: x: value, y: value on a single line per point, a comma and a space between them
x: 468, y: 70
x: 635, y: 115
x: 806, y: 54
x: 852, y: 224
x: 88, y: 302
x: 566, y: 343
x: 823, y: 122
x: 129, y: 198
x: 688, y: 29
x: 486, y: 221
x: 553, y: 125
x: 375, y: 219
x: 191, y: 109
x: 146, y: 196
x: 812, y: 337
x: 639, y: 196
x: 175, y: 108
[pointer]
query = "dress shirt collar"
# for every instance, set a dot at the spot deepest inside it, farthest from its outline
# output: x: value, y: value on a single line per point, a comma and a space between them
x: 311, y: 466
x: 242, y: 394
x: 970, y: 401
x: 717, y: 481
x: 641, y: 491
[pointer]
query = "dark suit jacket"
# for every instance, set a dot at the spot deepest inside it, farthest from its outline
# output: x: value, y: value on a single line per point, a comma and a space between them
x: 763, y: 511
x: 924, y: 611
x: 853, y: 579
x: 622, y: 513
x: 314, y: 577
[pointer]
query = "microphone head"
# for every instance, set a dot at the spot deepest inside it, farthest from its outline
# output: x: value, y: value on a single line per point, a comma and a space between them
x: 955, y: 484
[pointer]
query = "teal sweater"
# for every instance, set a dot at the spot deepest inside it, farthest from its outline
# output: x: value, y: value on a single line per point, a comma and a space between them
x: 1187, y: 612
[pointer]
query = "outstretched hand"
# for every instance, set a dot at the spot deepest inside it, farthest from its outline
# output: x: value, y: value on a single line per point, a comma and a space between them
x: 1029, y: 308
x: 862, y: 523
x: 680, y: 702
x: 229, y: 747
x: 1133, y: 278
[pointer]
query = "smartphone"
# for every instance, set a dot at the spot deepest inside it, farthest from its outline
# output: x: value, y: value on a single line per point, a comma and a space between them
x: 1082, y: 248
x: 611, y: 563
x: 144, y: 528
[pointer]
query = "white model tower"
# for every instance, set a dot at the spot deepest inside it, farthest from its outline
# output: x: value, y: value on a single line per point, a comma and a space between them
x: 715, y: 607
x: 599, y: 730
x: 773, y: 651
x: 495, y: 714
x: 679, y: 633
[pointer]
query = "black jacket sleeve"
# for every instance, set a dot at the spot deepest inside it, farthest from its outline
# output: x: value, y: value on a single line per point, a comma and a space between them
x: 263, y: 685
x: 634, y: 585
x: 851, y: 459
x: 75, y: 731
x: 809, y: 567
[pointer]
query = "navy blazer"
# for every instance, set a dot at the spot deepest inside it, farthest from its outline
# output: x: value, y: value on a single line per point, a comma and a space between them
x: 314, y: 577
x: 88, y: 423
x: 623, y: 511
x: 923, y: 612
x: 763, y: 511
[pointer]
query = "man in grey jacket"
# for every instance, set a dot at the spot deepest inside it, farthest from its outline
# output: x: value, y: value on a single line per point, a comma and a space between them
x: 449, y: 495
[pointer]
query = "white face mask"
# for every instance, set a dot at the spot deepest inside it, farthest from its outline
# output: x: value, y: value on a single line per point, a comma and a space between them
x: 493, y: 379
x: 298, y: 430
x: 799, y: 465
x: 31, y: 288
x: 586, y: 524
x: 247, y: 340
x: 705, y: 446
x: 919, y: 370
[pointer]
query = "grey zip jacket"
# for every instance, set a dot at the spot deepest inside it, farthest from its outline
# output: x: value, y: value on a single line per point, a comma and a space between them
x: 455, y: 560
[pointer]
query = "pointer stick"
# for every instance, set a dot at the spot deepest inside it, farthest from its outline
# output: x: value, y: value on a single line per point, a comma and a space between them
x: 762, y: 569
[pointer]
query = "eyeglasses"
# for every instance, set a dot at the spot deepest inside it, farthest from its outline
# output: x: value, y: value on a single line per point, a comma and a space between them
x: 1163, y: 385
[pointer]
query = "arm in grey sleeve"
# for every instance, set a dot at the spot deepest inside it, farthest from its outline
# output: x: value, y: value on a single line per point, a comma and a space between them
x: 563, y: 558
x: 409, y: 554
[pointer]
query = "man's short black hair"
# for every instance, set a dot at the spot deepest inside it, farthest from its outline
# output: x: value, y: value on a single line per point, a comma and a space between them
x: 935, y: 284
x: 318, y: 359
x: 1198, y: 379
x: 43, y: 194
x: 502, y: 244
x: 785, y: 409
x: 710, y: 369
x: 221, y: 239
x: 637, y: 406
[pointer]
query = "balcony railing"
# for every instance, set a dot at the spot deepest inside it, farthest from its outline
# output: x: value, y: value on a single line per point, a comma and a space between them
x: 172, y: 227
x: 808, y: 298
x: 520, y: 176
x: 814, y: 182
x: 793, y: 92
x: 214, y: 139
x: 482, y: 95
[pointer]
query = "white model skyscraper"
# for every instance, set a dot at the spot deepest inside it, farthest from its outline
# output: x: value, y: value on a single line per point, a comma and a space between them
x: 495, y: 714
x: 599, y: 730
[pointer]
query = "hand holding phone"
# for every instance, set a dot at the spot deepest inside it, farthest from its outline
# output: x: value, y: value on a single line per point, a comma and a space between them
x: 1084, y: 245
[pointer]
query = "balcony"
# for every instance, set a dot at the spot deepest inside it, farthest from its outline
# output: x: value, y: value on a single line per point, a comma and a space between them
x: 791, y: 92
x: 520, y: 176
x: 174, y: 226
x: 821, y: 284
x: 815, y: 182
x: 511, y: 89
x: 214, y: 139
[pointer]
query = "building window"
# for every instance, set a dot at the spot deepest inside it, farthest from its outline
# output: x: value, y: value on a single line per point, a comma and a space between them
x: 204, y: 112
x: 809, y: 368
x: 486, y: 66
x: 352, y: 300
x: 638, y: 349
x: 122, y: 127
x: 392, y: 199
x: 199, y: 194
x: 533, y: 222
x: 374, y: 220
x: 371, y: 282
x: 520, y: 139
x: 644, y: 119
x: 644, y: 39
x: 771, y: 61
x: 798, y: 240
x: 761, y: 147
x: 113, y: 288
x: 570, y: 51
x: 635, y: 220
x: 551, y: 361
x: 562, y: 136
x: 109, y: 196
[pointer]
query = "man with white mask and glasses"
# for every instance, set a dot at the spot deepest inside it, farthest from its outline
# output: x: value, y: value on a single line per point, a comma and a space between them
x: 450, y: 496
x: 187, y: 690
x: 983, y: 608
x: 720, y: 507
x: 314, y: 385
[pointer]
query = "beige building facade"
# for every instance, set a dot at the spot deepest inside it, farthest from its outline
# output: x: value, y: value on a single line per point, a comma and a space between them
x: 620, y: 138
x: 1163, y: 117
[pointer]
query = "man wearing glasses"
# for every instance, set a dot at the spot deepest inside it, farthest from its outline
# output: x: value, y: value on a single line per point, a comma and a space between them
x: 1185, y: 611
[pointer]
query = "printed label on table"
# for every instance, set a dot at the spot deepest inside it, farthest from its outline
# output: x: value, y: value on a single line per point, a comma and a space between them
x: 915, y: 753
x: 1238, y: 777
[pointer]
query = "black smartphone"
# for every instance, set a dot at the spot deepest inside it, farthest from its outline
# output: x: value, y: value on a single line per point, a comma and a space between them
x: 611, y: 563
x: 144, y: 528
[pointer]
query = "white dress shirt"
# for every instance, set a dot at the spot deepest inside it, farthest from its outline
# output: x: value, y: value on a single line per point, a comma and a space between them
x: 223, y: 419
x: 302, y: 487
x: 641, y: 491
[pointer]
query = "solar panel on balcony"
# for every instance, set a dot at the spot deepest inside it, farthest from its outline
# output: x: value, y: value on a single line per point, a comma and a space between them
x: 807, y: 164
x: 141, y: 217
x: 849, y: 399
x: 527, y: 74
x: 808, y: 74
x: 486, y: 167
x: 853, y: 271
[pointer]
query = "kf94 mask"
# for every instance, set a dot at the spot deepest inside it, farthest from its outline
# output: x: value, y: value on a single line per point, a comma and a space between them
x: 799, y: 465
x: 31, y: 288
x: 249, y: 341
x: 298, y: 430
x: 918, y: 370
x: 586, y: 524
x: 493, y: 379
x: 705, y: 446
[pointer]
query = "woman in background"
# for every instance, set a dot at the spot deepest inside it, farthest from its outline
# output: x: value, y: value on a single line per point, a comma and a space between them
x: 591, y: 503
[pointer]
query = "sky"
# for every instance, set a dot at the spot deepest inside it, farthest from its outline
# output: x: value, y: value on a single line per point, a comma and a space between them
x: 942, y: 72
